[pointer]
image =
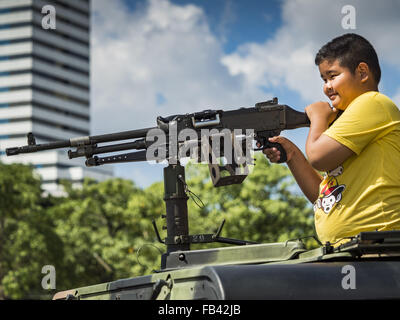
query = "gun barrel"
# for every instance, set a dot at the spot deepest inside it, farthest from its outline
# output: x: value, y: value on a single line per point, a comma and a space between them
x: 79, y: 141
x: 38, y: 147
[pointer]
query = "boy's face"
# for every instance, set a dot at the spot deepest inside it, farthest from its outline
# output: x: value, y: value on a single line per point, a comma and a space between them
x: 340, y: 85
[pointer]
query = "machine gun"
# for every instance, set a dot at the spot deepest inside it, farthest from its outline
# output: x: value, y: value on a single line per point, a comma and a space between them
x: 164, y: 142
x: 168, y: 141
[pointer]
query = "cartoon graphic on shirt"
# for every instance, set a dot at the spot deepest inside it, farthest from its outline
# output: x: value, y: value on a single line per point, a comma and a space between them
x: 331, y: 192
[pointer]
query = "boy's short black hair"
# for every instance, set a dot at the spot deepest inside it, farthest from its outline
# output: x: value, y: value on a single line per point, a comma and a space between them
x: 351, y: 49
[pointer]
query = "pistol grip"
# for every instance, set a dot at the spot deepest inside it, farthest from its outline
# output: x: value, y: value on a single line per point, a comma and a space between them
x: 283, y: 157
x: 265, y: 144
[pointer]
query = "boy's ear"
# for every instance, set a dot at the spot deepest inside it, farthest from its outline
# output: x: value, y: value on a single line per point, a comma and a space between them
x: 363, y: 71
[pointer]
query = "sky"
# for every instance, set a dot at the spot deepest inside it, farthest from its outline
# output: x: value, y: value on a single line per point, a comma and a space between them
x: 165, y: 57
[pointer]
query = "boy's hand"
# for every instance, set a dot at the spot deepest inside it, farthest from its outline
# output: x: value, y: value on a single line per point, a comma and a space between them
x: 321, y: 111
x: 274, y: 155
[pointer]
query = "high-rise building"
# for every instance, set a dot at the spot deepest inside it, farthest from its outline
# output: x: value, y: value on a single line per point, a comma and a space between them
x: 45, y: 83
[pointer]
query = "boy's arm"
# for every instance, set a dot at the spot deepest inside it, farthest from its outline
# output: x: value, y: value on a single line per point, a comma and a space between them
x: 323, y: 152
x: 306, y: 177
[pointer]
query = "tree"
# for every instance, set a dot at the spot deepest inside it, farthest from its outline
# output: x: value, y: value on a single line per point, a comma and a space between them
x: 103, y: 226
x: 27, y: 238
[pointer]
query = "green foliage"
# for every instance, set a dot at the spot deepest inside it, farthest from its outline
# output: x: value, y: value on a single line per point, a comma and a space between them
x: 262, y: 209
x: 103, y: 225
x: 103, y: 231
x: 27, y: 237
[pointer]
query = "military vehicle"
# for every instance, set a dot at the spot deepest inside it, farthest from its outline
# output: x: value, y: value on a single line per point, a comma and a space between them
x: 367, y: 266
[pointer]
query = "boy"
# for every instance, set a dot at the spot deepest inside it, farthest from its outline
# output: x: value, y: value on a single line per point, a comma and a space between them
x: 359, y: 152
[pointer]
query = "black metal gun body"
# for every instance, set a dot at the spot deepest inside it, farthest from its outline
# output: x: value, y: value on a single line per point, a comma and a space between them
x: 266, y: 119
x: 265, y: 116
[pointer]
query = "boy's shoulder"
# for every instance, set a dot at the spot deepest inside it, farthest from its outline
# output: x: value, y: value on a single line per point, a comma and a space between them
x: 377, y: 101
x: 379, y: 98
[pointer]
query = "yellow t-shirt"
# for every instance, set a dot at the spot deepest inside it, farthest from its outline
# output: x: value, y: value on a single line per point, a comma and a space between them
x: 363, y: 193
